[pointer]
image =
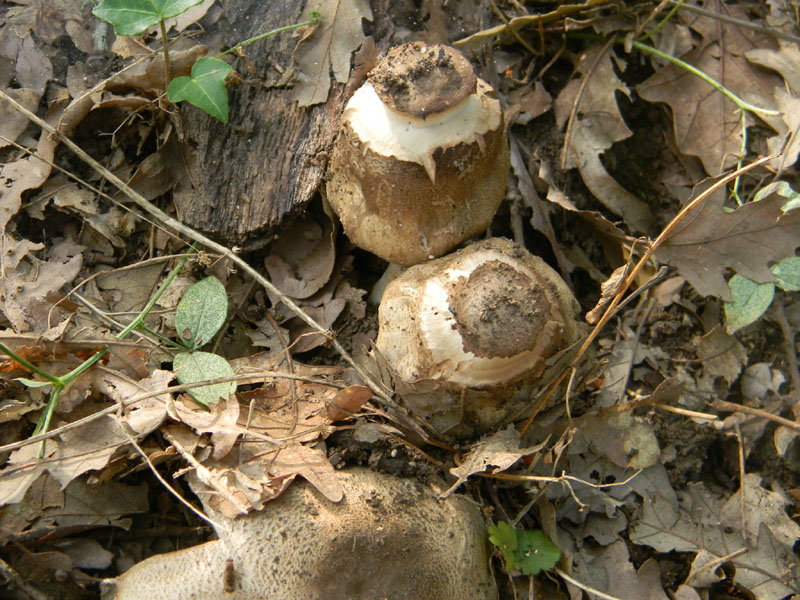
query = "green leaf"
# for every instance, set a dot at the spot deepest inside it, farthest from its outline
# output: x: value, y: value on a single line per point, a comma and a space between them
x: 201, y: 312
x: 191, y: 367
x: 132, y: 17
x: 205, y: 88
x: 788, y: 273
x: 535, y: 552
x: 32, y: 383
x: 505, y: 538
x: 750, y: 301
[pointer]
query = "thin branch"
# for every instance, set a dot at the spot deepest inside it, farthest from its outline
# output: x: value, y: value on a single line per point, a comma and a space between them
x: 171, y: 489
x: 583, y: 586
x: 756, y: 412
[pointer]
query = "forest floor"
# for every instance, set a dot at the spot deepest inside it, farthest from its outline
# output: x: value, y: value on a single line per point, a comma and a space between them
x: 670, y: 466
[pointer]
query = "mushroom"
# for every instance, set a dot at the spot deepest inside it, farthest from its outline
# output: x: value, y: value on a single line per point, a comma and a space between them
x: 388, y: 538
x: 421, y: 160
x: 466, y: 334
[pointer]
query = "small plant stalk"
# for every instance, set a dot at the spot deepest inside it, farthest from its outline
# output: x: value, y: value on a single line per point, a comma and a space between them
x: 165, y: 45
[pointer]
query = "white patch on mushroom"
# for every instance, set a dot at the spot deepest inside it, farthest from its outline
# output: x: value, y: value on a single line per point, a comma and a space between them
x: 389, y: 133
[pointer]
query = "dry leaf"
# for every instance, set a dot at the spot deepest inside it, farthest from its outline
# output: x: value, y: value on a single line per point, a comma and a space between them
x: 748, y: 240
x: 348, y: 401
x: 707, y: 123
x: 610, y: 570
x: 597, y: 125
x: 785, y: 61
x: 301, y: 259
x: 329, y: 48
x: 13, y: 123
x: 28, y: 285
x: 497, y: 452
x: 696, y: 525
x: 608, y: 290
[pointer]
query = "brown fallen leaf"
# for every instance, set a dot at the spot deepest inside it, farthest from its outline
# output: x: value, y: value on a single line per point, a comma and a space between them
x: 708, y: 124
x: 300, y: 260
x: 12, y: 123
x: 748, y: 240
x: 28, y: 284
x: 348, y: 401
x: 596, y: 126
x: 329, y: 48
x: 497, y: 452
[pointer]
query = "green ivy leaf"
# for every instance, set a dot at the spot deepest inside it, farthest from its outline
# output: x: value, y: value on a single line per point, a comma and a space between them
x: 750, y: 301
x: 505, y: 538
x: 132, y: 17
x: 32, y: 383
x: 535, y: 552
x: 191, y: 367
x: 205, y: 88
x: 201, y: 312
x: 788, y: 273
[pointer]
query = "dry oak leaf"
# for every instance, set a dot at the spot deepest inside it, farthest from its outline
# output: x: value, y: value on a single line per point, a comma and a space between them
x: 338, y: 35
x: 597, y: 125
x: 747, y: 240
x: 707, y: 124
x: 785, y: 61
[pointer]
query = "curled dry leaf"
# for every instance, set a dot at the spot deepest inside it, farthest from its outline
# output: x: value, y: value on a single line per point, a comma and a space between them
x: 348, y: 401
x: 329, y: 48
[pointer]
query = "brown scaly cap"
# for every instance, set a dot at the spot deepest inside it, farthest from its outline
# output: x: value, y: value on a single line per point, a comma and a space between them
x: 421, y: 80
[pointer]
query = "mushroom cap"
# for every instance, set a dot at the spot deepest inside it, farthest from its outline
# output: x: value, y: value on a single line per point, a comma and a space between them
x: 388, y: 538
x: 422, y: 158
x: 485, y: 318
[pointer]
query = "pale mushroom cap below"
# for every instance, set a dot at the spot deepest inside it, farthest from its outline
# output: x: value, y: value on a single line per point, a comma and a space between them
x: 486, y: 318
x: 389, y: 538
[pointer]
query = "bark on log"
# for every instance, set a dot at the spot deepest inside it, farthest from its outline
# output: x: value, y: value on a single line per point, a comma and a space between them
x: 247, y: 176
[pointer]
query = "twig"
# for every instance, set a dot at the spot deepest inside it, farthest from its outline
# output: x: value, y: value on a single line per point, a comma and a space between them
x: 740, y: 442
x: 738, y: 22
x: 579, y: 96
x: 171, y: 489
x: 378, y: 389
x: 686, y: 413
x: 756, y: 412
x: 583, y: 586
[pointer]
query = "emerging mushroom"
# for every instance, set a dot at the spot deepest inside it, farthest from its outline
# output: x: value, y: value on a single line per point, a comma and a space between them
x: 388, y: 538
x: 421, y: 160
x: 467, y: 332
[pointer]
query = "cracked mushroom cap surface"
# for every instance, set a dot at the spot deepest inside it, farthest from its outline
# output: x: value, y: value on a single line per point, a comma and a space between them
x: 421, y: 160
x: 389, y: 538
x: 485, y: 319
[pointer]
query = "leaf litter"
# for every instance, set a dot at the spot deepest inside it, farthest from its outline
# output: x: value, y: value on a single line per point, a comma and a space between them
x: 620, y: 473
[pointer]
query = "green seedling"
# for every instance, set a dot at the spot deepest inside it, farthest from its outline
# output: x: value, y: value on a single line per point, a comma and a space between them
x: 199, y: 316
x: 205, y: 87
x: 749, y: 299
x: 59, y: 384
x: 529, y: 552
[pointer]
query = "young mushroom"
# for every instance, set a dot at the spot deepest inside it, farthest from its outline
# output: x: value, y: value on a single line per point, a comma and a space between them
x: 421, y: 160
x: 466, y: 333
x: 388, y: 538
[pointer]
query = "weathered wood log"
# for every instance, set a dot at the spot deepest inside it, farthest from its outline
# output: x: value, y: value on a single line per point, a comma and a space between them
x: 248, y: 176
